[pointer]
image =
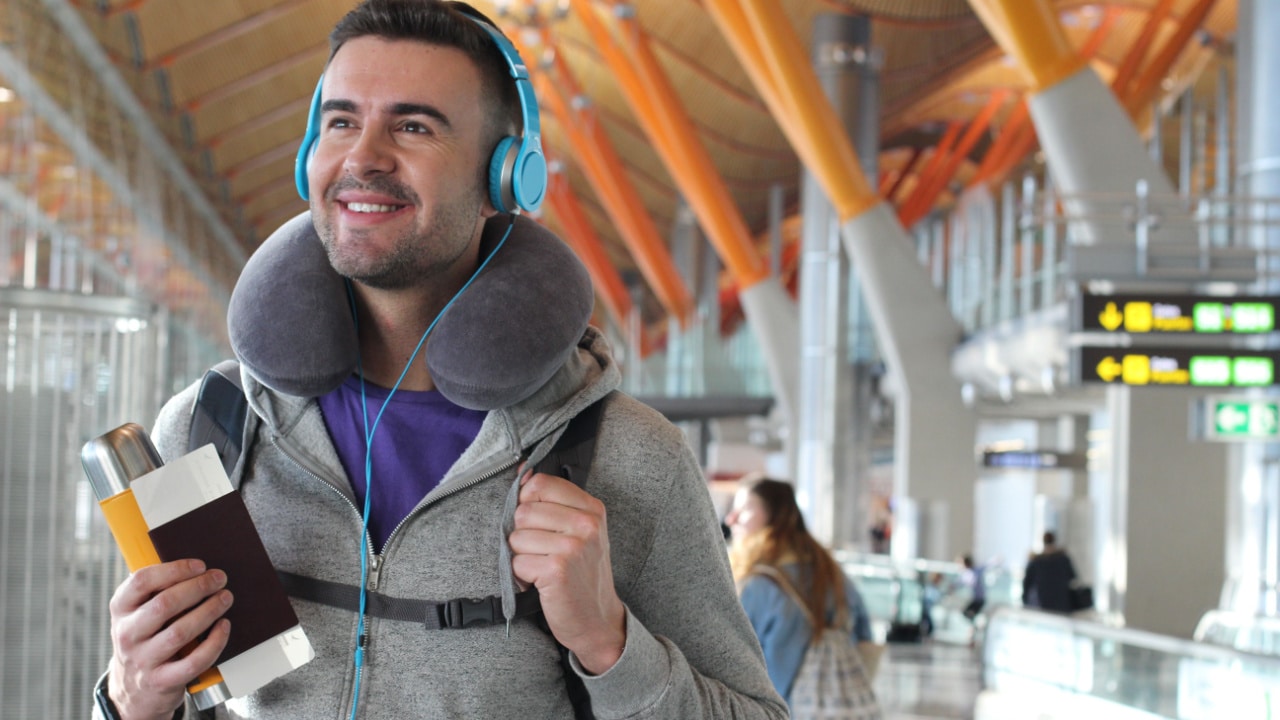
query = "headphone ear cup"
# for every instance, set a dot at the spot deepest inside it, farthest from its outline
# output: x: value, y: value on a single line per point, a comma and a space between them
x: 302, y: 165
x: 501, y: 166
x: 529, y: 183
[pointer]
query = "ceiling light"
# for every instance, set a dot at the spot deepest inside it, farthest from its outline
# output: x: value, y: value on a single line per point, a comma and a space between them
x: 6, y: 95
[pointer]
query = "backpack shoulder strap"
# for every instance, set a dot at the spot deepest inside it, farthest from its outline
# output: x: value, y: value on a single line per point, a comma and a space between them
x: 784, y: 583
x: 220, y: 414
x: 573, y: 452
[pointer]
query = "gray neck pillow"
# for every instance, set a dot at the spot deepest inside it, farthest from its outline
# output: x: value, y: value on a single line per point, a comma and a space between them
x: 504, y: 337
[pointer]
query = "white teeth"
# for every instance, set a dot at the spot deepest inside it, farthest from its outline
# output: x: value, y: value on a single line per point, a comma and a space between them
x: 369, y: 208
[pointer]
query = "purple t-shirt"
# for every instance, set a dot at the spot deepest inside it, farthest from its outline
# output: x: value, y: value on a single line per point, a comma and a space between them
x: 417, y: 440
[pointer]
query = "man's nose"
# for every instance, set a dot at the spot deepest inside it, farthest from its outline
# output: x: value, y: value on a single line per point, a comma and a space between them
x: 371, y: 154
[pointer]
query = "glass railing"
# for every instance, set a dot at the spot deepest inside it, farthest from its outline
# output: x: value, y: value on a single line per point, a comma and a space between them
x: 1053, y: 667
x: 1257, y: 634
x: 898, y: 592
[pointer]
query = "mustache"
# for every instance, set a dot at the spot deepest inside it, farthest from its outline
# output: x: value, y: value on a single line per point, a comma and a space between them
x: 381, y: 184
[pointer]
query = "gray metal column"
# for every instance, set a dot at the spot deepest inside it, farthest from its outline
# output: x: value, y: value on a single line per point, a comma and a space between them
x: 1253, y: 491
x: 827, y: 489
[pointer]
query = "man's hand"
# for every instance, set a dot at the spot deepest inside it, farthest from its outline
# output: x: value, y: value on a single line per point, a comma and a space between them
x: 156, y: 613
x: 560, y: 545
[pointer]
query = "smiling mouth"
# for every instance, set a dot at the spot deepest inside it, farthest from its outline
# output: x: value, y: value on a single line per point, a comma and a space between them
x: 360, y: 207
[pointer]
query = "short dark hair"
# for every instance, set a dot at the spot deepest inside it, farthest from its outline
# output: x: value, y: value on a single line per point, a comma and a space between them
x: 1050, y: 538
x: 450, y: 24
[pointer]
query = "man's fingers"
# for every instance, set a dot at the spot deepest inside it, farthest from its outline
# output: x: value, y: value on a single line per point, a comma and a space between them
x: 155, y: 614
x: 541, y: 487
x: 557, y: 518
x: 139, y: 587
x: 186, y: 629
x: 179, y: 671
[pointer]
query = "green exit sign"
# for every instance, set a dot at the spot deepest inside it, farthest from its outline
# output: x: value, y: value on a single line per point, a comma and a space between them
x: 1231, y: 418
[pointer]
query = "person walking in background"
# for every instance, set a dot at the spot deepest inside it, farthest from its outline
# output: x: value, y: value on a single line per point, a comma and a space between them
x: 771, y: 546
x: 974, y: 578
x: 1046, y: 584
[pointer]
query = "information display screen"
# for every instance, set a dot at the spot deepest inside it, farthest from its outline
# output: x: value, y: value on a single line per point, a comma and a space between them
x: 1032, y: 460
x: 1177, y: 314
x: 1176, y: 366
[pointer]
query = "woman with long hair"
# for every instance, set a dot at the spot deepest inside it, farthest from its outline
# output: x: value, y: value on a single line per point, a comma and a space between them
x: 771, y: 547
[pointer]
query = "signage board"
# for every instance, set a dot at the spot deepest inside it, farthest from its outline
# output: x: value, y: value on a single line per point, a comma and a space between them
x: 1137, y: 314
x: 1177, y: 366
x: 1232, y: 418
x: 1032, y: 460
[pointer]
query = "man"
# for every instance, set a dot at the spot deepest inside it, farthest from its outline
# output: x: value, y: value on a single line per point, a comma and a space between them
x: 1046, y: 584
x: 632, y: 576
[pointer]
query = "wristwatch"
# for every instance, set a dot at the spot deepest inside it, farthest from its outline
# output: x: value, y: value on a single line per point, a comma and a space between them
x: 103, y: 700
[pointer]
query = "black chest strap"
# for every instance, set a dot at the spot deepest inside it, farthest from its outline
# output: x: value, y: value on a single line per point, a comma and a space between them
x: 432, y: 615
x: 569, y: 458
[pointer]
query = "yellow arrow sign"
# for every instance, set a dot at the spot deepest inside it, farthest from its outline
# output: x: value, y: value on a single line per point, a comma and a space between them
x: 1111, y: 317
x: 1109, y: 369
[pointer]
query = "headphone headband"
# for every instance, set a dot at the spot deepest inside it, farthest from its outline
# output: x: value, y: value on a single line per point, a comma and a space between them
x: 517, y: 167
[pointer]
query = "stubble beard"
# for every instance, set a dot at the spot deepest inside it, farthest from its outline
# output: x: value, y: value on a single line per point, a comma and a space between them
x: 416, y: 255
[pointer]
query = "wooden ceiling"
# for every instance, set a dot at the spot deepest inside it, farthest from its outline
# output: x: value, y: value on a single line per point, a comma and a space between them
x: 228, y: 83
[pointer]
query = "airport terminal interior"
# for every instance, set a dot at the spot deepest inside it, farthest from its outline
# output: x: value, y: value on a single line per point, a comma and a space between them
x: 964, y: 272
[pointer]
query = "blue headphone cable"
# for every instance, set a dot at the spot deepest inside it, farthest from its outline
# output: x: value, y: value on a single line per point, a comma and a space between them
x: 368, y: 447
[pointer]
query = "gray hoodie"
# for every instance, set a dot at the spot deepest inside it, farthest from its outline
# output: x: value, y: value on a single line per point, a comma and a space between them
x: 690, y: 652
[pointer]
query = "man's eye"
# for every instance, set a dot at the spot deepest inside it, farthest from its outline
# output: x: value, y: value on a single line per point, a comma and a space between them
x: 416, y: 127
x: 339, y: 122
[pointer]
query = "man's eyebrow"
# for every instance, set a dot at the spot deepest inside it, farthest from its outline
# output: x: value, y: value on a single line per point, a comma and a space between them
x: 408, y: 108
x: 337, y: 106
x: 398, y: 109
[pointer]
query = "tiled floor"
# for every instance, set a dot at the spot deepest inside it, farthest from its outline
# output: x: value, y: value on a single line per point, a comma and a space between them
x: 928, y: 681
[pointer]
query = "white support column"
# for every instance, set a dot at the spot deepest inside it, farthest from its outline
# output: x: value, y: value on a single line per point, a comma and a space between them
x: 1253, y: 544
x: 934, y: 438
x: 1168, y: 513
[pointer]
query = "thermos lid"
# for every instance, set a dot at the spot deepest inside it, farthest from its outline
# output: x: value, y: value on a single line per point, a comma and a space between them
x: 113, y: 460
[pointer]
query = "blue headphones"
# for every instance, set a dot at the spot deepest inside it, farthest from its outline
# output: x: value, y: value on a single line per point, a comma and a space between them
x: 517, y: 169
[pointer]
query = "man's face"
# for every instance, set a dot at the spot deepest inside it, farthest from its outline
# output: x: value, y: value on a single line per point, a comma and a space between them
x: 396, y: 192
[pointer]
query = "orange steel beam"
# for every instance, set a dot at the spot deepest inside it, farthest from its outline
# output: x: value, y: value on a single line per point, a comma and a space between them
x: 655, y: 102
x: 1034, y: 38
x: 931, y: 167
x: 598, y: 159
x: 1146, y: 87
x: 999, y: 149
x: 734, y: 28
x: 766, y: 44
x: 907, y: 169
x: 938, y: 182
x: 1094, y: 43
x: 1026, y: 141
x: 1138, y: 51
x: 1017, y: 138
x: 222, y: 35
x: 584, y: 241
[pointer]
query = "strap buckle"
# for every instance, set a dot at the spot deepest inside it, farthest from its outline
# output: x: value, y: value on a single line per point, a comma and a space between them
x: 464, y: 612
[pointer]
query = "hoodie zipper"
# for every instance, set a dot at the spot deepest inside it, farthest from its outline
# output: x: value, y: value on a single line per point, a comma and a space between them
x: 452, y: 491
x: 375, y: 569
